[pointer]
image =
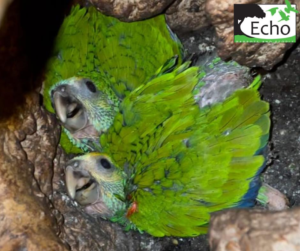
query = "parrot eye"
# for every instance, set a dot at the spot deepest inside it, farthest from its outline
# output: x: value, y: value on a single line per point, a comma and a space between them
x: 90, y: 85
x: 105, y: 163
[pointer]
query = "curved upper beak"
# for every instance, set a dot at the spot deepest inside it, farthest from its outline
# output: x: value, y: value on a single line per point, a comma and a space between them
x: 71, y: 181
x: 60, y: 102
x: 69, y: 109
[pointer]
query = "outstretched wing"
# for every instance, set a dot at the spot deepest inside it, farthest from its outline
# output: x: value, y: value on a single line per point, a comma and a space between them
x: 190, y: 173
x: 147, y: 108
x: 188, y: 162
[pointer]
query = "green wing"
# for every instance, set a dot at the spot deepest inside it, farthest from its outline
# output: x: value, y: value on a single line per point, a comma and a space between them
x: 187, y: 162
x: 92, y: 44
x: 147, y: 107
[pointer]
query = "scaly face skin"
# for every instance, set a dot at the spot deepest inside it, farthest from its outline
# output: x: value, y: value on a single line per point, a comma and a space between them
x: 96, y: 183
x: 83, y: 109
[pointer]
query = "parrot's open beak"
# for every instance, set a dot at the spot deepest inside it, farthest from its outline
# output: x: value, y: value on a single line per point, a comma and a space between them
x: 95, y: 182
x: 69, y: 110
x: 80, y: 185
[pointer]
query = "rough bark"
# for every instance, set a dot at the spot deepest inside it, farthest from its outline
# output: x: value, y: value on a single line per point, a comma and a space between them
x: 255, y: 230
x: 131, y: 10
x: 182, y: 15
x: 26, y: 220
x: 187, y: 15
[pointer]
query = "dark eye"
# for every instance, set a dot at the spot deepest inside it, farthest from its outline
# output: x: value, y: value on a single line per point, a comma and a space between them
x: 90, y: 85
x: 105, y: 163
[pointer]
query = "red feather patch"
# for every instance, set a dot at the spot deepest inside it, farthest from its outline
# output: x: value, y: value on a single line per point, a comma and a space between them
x: 133, y: 209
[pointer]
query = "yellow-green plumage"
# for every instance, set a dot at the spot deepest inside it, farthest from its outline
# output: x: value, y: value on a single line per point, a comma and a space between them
x: 187, y: 162
x: 179, y: 162
x: 211, y: 174
x: 118, y: 56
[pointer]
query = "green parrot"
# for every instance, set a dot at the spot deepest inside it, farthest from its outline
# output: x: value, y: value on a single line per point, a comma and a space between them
x: 97, y: 60
x: 167, y: 162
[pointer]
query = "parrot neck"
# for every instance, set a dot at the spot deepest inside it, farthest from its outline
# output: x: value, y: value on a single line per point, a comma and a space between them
x: 102, y: 114
x: 113, y: 195
x: 122, y: 205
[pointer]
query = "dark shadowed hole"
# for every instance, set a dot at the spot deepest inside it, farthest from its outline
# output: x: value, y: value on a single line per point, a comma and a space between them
x: 26, y: 39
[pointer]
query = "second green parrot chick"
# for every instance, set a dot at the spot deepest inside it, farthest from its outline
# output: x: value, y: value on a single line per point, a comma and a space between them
x: 84, y: 110
x: 94, y: 184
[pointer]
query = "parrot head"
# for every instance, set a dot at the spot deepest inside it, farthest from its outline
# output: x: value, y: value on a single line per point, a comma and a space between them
x: 94, y: 181
x: 83, y: 109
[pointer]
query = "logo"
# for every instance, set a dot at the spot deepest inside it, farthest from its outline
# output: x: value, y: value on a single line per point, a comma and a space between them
x: 265, y: 23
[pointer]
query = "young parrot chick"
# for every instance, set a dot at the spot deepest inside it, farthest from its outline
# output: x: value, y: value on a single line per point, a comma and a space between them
x: 97, y: 60
x: 167, y: 164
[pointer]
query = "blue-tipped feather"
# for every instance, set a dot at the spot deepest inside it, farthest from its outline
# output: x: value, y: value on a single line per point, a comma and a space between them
x: 249, y: 198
